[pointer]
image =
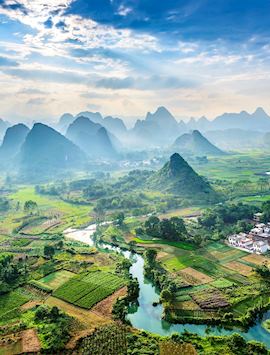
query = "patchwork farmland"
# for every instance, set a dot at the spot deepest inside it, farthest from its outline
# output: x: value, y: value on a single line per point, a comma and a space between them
x: 213, y: 278
x: 87, y: 289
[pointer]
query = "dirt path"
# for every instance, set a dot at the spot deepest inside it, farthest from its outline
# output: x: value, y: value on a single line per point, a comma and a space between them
x: 30, y: 341
x: 30, y: 304
x: 104, y: 307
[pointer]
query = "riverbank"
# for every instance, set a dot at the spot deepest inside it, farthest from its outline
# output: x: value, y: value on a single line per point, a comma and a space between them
x: 149, y: 318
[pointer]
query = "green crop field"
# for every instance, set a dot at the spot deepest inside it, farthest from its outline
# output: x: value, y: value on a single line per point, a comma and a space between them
x: 222, y: 283
x: 180, y: 245
x: 70, y: 214
x: 11, y: 301
x: 56, y: 279
x: 86, y: 290
x: 235, y: 166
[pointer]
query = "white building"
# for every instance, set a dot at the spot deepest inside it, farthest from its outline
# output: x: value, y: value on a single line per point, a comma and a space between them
x: 260, y: 247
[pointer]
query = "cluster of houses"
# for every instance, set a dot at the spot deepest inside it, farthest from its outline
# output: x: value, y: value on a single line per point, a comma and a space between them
x: 256, y: 241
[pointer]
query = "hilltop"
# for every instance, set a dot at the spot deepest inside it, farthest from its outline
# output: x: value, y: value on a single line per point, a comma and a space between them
x: 45, y: 151
x: 92, y: 138
x: 178, y: 177
x: 195, y: 143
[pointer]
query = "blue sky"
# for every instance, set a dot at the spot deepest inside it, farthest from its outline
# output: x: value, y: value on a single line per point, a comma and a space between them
x: 126, y: 57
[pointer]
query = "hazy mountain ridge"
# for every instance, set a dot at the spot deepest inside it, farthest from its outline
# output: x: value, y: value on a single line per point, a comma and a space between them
x: 259, y: 120
x: 12, y: 142
x: 158, y: 128
x: 91, y: 137
x: 195, y: 143
x: 45, y: 151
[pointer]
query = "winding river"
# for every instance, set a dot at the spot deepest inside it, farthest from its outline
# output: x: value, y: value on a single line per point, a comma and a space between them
x: 149, y: 318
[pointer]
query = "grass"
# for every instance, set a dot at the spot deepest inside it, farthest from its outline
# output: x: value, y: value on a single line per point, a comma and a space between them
x: 235, y: 167
x: 10, y: 302
x: 56, y: 279
x: 181, y: 212
x: 86, y: 290
x: 180, y: 245
x: 222, y: 283
x: 70, y: 214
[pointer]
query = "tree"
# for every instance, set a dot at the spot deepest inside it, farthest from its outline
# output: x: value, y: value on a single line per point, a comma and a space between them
x: 166, y: 296
x: 100, y: 211
x: 151, y: 255
x: 173, y: 229
x: 256, y: 348
x: 263, y: 271
x: 30, y: 206
x: 152, y: 226
x: 49, y: 251
x: 60, y: 244
x: 266, y: 211
x: 119, y: 219
x: 4, y: 205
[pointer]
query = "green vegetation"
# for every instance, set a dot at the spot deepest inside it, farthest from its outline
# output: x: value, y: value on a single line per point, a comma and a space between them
x: 180, y: 245
x: 266, y: 325
x: 10, y: 302
x: 11, y: 272
x: 111, y: 339
x: 56, y: 279
x: 52, y: 326
x: 179, y: 178
x: 86, y: 290
x: 200, y: 278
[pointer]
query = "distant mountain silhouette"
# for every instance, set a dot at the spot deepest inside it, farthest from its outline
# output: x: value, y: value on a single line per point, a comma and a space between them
x: 196, y: 144
x: 92, y: 138
x: 179, y: 178
x: 160, y: 129
x: 12, y: 142
x: 236, y: 138
x: 3, y: 126
x: 157, y: 129
x: 65, y: 120
x: 256, y: 121
x: 45, y: 152
x: 95, y: 117
x: 114, y: 125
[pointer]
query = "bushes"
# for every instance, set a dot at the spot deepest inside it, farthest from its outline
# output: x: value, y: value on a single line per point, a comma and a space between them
x: 110, y: 339
x: 52, y: 326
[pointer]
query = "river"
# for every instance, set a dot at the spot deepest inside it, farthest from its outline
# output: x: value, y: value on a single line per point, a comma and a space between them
x: 149, y: 318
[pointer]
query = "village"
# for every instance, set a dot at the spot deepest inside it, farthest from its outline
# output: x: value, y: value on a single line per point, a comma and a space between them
x: 255, y: 241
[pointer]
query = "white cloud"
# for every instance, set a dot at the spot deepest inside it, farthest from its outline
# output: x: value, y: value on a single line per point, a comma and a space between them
x: 124, y: 11
x: 55, y: 40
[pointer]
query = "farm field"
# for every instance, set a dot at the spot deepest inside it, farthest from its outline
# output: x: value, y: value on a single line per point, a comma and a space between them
x: 10, y: 302
x: 214, y: 277
x: 242, y: 269
x: 89, y: 319
x: 180, y: 245
x: 49, y: 207
x: 256, y: 259
x: 194, y: 277
x: 86, y: 290
x: 235, y: 166
x: 56, y: 279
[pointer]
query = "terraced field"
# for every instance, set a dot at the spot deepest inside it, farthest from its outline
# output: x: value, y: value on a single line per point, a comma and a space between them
x: 86, y: 290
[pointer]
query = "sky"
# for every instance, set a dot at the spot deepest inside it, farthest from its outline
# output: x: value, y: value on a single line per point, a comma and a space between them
x: 127, y: 57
